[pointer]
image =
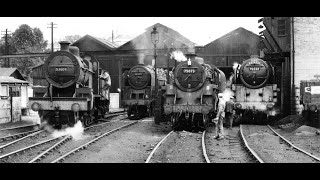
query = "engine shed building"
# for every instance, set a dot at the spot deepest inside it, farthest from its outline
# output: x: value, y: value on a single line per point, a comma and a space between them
x: 14, y: 95
x: 239, y: 44
x: 233, y: 47
x: 138, y: 50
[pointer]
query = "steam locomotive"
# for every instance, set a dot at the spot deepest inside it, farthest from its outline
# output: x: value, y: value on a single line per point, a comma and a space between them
x: 255, y: 90
x: 72, y: 90
x: 139, y: 93
x: 191, y: 99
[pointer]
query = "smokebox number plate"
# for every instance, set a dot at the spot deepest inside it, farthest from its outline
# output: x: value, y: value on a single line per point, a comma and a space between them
x: 189, y: 71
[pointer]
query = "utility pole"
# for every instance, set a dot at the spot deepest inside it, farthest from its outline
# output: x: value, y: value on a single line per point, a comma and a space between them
x: 52, y: 35
x: 6, y: 49
x: 112, y: 36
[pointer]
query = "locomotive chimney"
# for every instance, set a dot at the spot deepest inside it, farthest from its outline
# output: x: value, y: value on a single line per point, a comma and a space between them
x: 191, y: 56
x: 64, y: 45
x: 74, y: 50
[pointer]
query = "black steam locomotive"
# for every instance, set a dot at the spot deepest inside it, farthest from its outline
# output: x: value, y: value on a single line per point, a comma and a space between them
x: 191, y: 98
x: 72, y: 91
x: 255, y: 90
x: 139, y: 93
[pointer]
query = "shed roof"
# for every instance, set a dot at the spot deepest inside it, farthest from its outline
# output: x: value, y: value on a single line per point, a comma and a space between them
x: 7, y: 71
x: 236, y: 32
x: 90, y: 43
x: 168, y: 37
x: 6, y: 80
x: 11, y: 72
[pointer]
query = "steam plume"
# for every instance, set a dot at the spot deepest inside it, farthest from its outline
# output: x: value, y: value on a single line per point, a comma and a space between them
x: 76, y: 132
x: 141, y: 58
x: 178, y: 56
x: 235, y: 65
x: 227, y: 94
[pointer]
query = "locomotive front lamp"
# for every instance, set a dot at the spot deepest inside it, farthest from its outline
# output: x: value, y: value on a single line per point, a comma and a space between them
x: 75, y: 107
x: 155, y: 40
x: 35, y: 106
x: 269, y: 106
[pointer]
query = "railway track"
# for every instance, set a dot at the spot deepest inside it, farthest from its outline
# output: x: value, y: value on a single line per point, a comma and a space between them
x: 271, y: 147
x: 160, y: 155
x: 16, y: 136
x: 9, y: 153
x: 10, y: 131
x: 91, y: 134
x: 36, y: 128
x: 229, y: 150
x: 73, y: 151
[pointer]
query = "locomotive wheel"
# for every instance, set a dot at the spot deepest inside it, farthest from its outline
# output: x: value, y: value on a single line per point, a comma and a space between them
x: 85, y: 123
x: 205, y: 121
x: 173, y: 122
x: 149, y: 111
x: 129, y: 112
x: 71, y: 120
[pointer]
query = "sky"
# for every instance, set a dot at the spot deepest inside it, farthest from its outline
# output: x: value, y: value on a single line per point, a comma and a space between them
x: 200, y: 30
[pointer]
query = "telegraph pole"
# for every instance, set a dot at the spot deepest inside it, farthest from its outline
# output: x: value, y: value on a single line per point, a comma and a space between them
x: 6, y: 49
x: 52, y: 35
x: 112, y: 36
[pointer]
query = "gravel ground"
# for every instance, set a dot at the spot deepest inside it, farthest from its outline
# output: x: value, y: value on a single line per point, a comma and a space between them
x: 304, y: 137
x: 180, y: 147
x: 269, y: 147
x: 129, y: 145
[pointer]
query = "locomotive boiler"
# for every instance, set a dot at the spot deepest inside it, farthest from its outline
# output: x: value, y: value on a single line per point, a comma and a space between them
x: 73, y: 89
x: 191, y: 98
x: 139, y: 93
x: 255, y: 90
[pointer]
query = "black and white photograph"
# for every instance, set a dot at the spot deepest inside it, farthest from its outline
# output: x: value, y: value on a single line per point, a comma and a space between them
x: 191, y: 90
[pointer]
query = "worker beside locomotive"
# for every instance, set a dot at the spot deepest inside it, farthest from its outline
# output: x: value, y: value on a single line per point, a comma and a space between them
x: 73, y: 91
x: 190, y: 100
x: 255, y: 92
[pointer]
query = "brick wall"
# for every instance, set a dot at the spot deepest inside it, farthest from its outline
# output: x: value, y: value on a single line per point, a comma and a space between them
x: 307, y: 52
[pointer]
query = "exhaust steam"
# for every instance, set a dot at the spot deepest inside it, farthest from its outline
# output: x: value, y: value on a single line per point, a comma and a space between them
x: 178, y: 56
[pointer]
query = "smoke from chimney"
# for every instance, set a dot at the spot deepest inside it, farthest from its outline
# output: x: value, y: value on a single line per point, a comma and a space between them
x: 178, y: 56
x: 235, y: 66
x: 227, y: 94
x: 141, y: 58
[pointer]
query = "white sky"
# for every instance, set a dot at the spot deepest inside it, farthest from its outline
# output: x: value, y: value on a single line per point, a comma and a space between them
x: 200, y: 30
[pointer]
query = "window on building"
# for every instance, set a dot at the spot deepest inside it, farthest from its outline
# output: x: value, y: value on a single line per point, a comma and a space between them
x: 15, y: 91
x: 281, y: 27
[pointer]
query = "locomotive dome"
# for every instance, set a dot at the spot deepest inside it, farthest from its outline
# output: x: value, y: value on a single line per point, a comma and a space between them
x: 139, y: 76
x: 254, y: 72
x: 62, y: 68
